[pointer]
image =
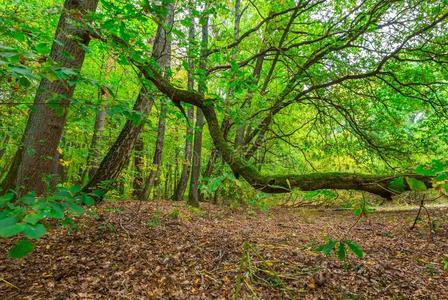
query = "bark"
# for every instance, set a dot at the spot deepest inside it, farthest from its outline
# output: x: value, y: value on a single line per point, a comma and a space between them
x: 176, y: 171
x: 168, y: 178
x: 186, y: 166
x: 152, y: 180
x: 236, y: 34
x: 226, y: 124
x: 118, y: 154
x: 193, y: 197
x: 58, y: 169
x: 138, y: 166
x: 100, y: 120
x: 33, y: 163
x: 211, y: 163
x: 164, y: 49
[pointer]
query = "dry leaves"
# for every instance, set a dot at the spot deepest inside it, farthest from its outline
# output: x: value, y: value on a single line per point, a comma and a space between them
x: 191, y: 256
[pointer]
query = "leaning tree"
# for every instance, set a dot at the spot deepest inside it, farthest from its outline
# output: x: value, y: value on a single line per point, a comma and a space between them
x: 334, y: 58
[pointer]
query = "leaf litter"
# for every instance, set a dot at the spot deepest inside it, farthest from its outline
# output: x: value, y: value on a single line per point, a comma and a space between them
x: 165, y: 250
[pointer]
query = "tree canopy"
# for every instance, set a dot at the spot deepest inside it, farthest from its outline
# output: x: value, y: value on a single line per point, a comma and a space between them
x: 306, y: 94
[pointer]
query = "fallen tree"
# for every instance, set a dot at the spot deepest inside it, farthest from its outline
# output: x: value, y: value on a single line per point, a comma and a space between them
x: 376, y: 184
x: 299, y: 86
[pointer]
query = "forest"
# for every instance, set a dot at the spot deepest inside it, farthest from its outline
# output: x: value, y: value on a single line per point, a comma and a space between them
x: 232, y: 149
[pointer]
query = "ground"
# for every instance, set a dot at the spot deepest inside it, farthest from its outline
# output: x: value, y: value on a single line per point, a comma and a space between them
x: 164, y: 250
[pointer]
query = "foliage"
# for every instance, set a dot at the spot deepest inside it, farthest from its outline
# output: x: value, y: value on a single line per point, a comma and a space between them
x: 356, y: 87
x: 318, y: 194
x: 339, y: 248
x: 438, y: 169
x: 29, y: 215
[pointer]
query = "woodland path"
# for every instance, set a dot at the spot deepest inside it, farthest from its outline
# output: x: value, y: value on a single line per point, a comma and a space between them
x: 163, y: 250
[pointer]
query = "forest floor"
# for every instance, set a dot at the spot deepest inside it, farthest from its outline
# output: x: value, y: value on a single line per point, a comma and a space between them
x: 164, y: 250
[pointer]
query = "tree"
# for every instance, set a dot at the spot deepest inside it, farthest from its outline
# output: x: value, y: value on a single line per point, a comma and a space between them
x: 308, y: 83
x: 138, y: 164
x: 153, y: 178
x: 33, y: 162
x: 100, y: 120
x: 324, y: 91
x: 117, y: 156
x: 193, y: 197
x: 186, y: 166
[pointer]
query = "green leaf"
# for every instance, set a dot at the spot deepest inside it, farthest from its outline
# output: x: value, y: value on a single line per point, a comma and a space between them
x: 18, y: 35
x: 354, y: 247
x: 397, y: 185
x: 21, y: 249
x: 357, y: 211
x: 445, y: 186
x: 416, y: 185
x: 22, y: 70
x: 28, y: 199
x: 75, y: 189
x: 341, y: 250
x: 42, y: 48
x: 6, y: 199
x: 424, y: 170
x: 7, y: 222
x: 11, y: 230
x: 87, y: 200
x: 34, y: 231
x: 441, y: 177
x: 33, y: 218
x: 108, y: 25
x: 328, y: 247
x: 57, y: 210
x: 24, y: 82
x: 76, y: 209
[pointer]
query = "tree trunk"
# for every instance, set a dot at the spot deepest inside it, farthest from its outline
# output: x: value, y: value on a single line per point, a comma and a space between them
x: 272, y: 183
x: 186, y: 166
x: 284, y: 183
x: 138, y: 166
x: 57, y: 169
x: 152, y: 180
x: 100, y: 120
x: 193, y: 198
x: 226, y: 122
x: 164, y: 61
x: 33, y: 163
x: 168, y: 177
x: 176, y: 171
x: 118, y: 154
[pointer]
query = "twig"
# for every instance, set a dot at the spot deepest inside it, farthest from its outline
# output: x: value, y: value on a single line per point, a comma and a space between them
x: 418, y: 215
x: 8, y: 283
